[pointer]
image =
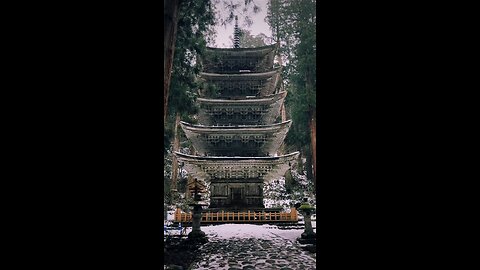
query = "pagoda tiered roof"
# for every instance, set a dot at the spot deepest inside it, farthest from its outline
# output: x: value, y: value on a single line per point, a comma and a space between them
x: 243, y: 84
x: 237, y: 138
x: 249, y: 111
x: 233, y: 60
x: 236, y: 168
x: 242, y: 140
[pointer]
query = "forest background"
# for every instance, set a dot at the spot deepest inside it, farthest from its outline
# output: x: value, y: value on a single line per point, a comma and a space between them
x: 191, y: 26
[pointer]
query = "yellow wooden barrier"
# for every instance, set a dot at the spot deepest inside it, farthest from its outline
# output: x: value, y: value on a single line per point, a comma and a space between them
x: 248, y: 216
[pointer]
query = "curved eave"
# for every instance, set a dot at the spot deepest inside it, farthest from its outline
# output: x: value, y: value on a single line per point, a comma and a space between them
x: 238, y: 128
x: 240, y: 76
x: 205, y: 167
x: 261, y: 100
x: 259, y: 50
x: 269, y: 80
x: 233, y: 60
x: 268, y: 114
x: 187, y: 157
x: 274, y: 133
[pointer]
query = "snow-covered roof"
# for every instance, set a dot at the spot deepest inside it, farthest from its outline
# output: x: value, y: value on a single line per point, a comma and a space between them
x: 232, y: 60
x: 237, y: 140
x: 242, y: 84
x: 258, y: 110
x: 245, y: 101
x: 261, y: 49
x: 240, y: 76
x: 265, y: 168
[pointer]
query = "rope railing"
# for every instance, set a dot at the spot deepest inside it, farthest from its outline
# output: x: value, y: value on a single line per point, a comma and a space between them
x: 244, y: 216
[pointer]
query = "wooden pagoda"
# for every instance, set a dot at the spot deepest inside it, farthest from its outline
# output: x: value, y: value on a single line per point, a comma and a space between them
x: 239, y: 134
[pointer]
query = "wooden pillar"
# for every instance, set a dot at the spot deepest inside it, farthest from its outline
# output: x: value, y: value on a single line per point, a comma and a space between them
x: 177, y: 215
x: 190, y: 177
x: 284, y: 113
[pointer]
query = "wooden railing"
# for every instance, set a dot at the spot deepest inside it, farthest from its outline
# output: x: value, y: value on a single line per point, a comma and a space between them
x: 246, y: 216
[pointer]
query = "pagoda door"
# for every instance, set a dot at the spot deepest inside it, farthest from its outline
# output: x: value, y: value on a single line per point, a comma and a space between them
x: 237, y: 197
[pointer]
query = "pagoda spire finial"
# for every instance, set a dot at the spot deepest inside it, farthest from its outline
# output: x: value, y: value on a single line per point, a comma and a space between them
x: 236, y: 34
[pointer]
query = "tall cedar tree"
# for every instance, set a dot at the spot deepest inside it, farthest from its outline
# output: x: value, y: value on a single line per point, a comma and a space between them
x: 194, y: 18
x: 293, y: 24
x: 171, y: 16
x: 186, y: 24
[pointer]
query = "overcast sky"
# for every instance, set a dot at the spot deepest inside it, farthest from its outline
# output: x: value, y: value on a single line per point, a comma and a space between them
x: 259, y: 26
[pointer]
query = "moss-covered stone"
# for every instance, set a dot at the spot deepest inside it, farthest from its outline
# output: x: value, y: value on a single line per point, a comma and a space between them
x: 305, y: 207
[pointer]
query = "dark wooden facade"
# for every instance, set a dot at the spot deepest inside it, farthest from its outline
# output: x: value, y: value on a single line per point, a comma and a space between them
x: 237, y: 194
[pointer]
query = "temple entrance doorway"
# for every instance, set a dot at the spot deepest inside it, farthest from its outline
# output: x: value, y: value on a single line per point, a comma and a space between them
x: 236, y: 196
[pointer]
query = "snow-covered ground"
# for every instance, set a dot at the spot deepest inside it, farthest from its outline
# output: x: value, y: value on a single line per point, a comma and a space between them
x: 249, y: 246
x: 239, y: 231
x: 265, y: 231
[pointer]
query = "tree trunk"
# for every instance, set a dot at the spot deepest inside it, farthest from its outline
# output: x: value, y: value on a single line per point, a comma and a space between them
x: 300, y: 163
x: 170, y: 20
x: 176, y: 145
x: 308, y: 163
x: 312, y: 123
x: 313, y: 137
x: 288, y: 181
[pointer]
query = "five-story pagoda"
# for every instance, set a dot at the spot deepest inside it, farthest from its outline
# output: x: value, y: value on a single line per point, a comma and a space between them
x: 239, y: 131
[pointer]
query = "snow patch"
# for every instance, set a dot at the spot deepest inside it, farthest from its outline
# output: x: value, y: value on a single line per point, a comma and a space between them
x: 246, y: 231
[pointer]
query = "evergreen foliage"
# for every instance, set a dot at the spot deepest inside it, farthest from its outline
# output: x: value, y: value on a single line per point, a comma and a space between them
x: 277, y: 195
x: 232, y: 7
x: 293, y: 25
x: 196, y: 19
x: 247, y: 40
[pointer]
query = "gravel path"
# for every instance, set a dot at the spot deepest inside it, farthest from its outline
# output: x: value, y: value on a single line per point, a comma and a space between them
x: 242, y: 251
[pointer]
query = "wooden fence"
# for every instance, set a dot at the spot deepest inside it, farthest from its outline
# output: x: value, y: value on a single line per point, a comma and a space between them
x: 240, y: 217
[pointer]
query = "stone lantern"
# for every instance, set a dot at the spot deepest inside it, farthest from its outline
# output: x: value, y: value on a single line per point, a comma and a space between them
x: 308, y: 236
x: 196, y: 233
